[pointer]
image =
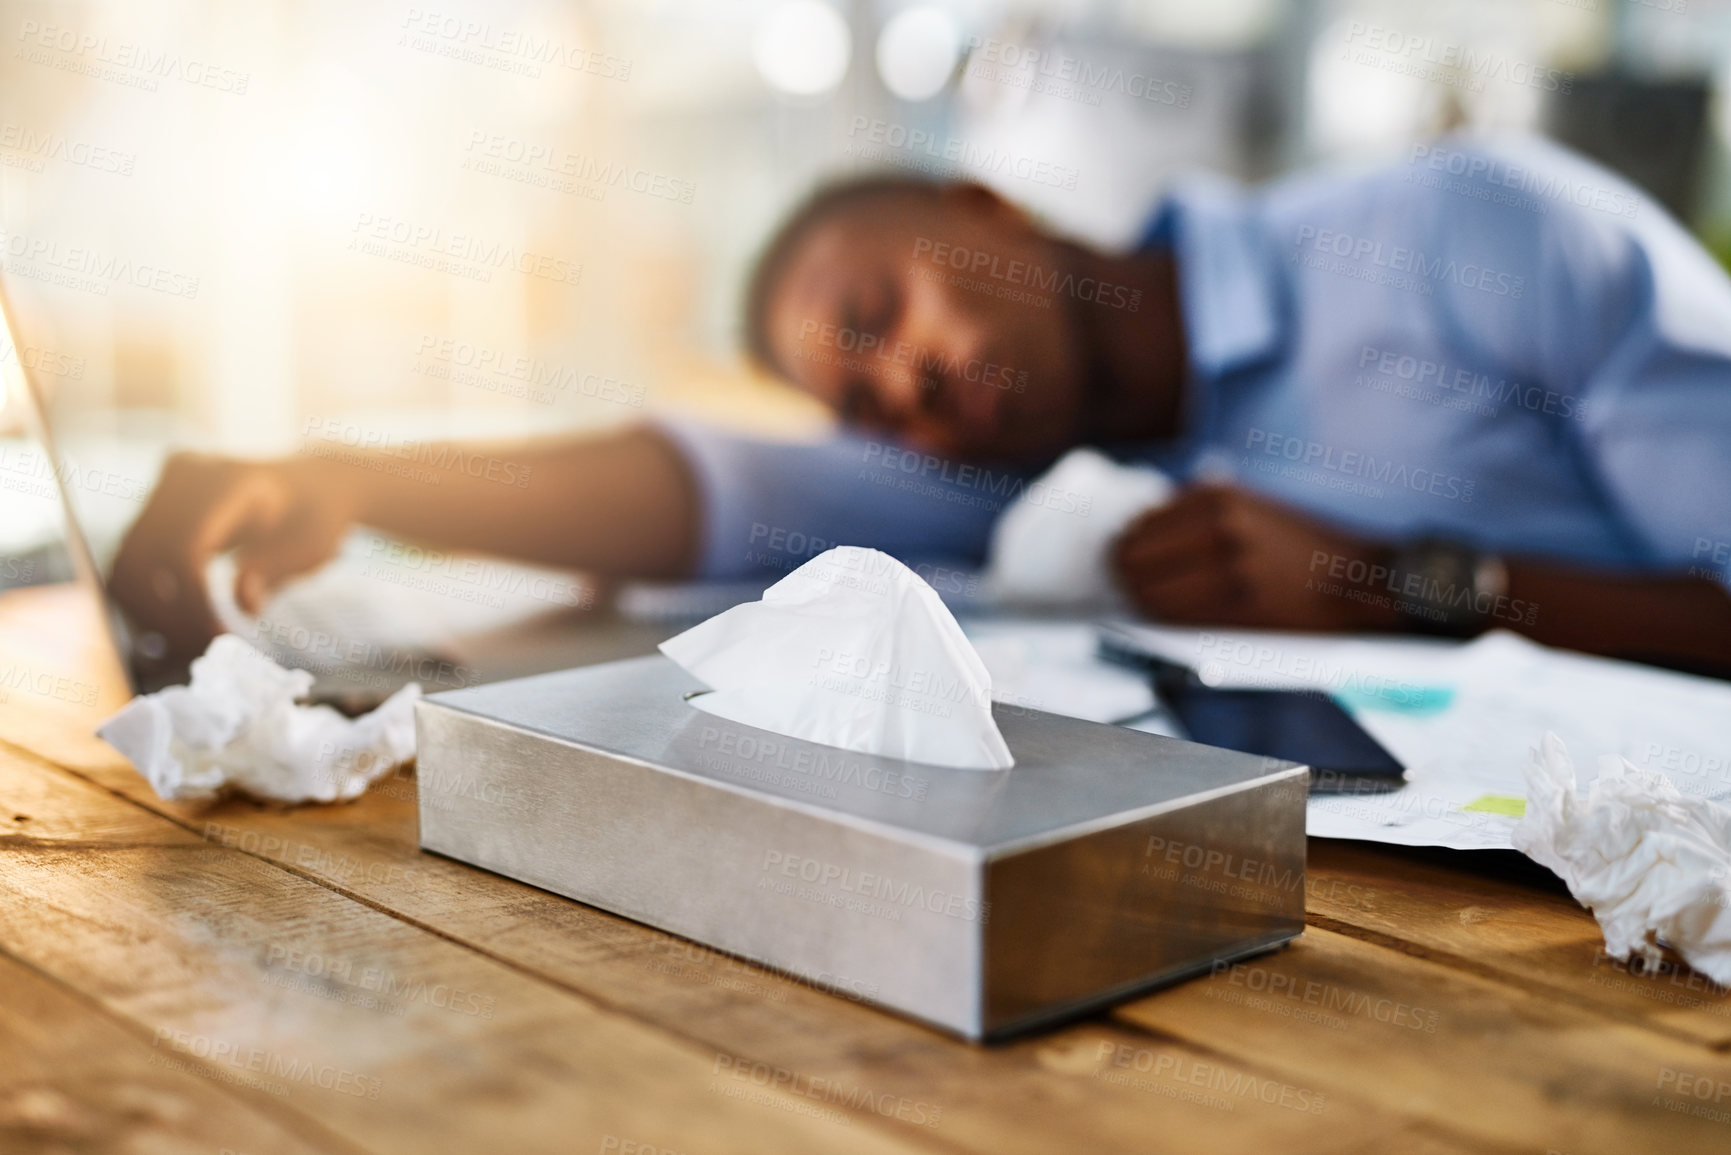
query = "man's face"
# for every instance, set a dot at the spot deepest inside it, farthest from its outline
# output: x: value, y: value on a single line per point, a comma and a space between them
x: 904, y: 319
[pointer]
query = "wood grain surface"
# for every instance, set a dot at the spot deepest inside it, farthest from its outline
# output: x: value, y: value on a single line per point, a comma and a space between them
x: 240, y: 978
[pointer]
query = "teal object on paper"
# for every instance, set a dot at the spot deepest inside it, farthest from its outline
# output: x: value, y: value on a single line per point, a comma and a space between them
x: 1415, y: 701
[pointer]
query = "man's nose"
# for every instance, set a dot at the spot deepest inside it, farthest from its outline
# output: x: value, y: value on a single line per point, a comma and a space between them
x: 898, y: 378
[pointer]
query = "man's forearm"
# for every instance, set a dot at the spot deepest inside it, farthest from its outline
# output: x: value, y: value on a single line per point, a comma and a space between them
x: 1682, y: 619
x: 620, y: 504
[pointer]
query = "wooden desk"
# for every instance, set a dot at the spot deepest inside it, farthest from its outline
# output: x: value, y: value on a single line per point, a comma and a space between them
x: 237, y: 978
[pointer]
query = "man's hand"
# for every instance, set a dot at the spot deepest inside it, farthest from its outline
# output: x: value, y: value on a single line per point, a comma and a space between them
x: 281, y: 518
x: 1223, y: 556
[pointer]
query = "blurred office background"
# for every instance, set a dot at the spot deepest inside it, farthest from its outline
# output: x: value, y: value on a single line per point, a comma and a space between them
x: 225, y: 224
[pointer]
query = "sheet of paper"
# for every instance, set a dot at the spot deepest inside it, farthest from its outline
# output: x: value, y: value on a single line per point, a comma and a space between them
x: 1053, y: 665
x: 1465, y: 718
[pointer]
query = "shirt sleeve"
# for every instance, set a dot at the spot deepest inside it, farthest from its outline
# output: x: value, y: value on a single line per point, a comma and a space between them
x: 1626, y: 325
x: 1655, y: 421
x: 770, y: 506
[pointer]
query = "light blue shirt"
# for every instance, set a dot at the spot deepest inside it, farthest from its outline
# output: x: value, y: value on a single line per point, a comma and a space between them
x: 1494, y: 343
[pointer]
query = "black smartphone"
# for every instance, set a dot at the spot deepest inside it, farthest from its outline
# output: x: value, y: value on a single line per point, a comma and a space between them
x: 1299, y: 726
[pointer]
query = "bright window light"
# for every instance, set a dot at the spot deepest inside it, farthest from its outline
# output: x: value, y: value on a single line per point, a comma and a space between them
x: 917, y: 52
x: 803, y: 48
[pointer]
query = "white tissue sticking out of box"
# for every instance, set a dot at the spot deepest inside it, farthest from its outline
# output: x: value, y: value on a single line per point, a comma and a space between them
x: 236, y: 726
x: 852, y: 650
x: 1651, y: 862
x: 1051, y: 546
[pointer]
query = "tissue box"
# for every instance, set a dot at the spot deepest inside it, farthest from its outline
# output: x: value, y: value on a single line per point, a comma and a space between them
x: 1106, y: 862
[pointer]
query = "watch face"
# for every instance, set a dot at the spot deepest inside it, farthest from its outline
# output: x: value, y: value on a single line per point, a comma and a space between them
x: 1445, y: 600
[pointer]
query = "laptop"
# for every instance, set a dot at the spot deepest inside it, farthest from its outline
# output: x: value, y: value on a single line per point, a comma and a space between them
x: 361, y: 638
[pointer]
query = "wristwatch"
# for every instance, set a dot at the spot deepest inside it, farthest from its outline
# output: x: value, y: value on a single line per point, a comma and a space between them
x: 1448, y: 589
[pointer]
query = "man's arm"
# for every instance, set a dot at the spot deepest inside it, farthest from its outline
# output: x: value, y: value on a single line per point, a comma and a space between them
x: 1680, y: 621
x: 622, y: 505
x: 1227, y: 557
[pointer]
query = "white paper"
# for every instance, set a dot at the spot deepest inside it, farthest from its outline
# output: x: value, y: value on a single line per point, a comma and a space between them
x: 1055, y: 666
x: 237, y: 727
x: 1051, y: 546
x: 1464, y: 717
x: 853, y: 650
x: 1653, y: 864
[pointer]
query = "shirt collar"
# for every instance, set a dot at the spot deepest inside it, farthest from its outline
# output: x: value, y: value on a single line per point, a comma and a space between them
x: 1228, y: 286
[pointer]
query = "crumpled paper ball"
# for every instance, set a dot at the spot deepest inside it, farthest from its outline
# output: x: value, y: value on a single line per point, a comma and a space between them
x: 1650, y: 862
x: 1050, y: 548
x: 237, y: 727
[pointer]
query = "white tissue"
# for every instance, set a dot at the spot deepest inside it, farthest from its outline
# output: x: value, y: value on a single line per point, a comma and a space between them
x: 1050, y: 547
x: 853, y: 650
x: 1650, y: 862
x: 237, y: 726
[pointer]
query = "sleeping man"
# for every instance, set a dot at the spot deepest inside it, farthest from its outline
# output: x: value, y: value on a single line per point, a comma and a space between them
x: 1488, y: 386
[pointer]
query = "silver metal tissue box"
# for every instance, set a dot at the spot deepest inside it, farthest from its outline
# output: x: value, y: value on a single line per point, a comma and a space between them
x: 1106, y: 862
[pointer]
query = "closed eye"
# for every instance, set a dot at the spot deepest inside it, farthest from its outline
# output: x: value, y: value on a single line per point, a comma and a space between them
x: 872, y: 310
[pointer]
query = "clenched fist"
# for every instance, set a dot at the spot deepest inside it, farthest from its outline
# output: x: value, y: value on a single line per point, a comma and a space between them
x: 1223, y: 556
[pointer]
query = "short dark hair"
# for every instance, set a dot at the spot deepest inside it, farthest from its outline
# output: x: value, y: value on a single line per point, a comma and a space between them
x: 829, y: 200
